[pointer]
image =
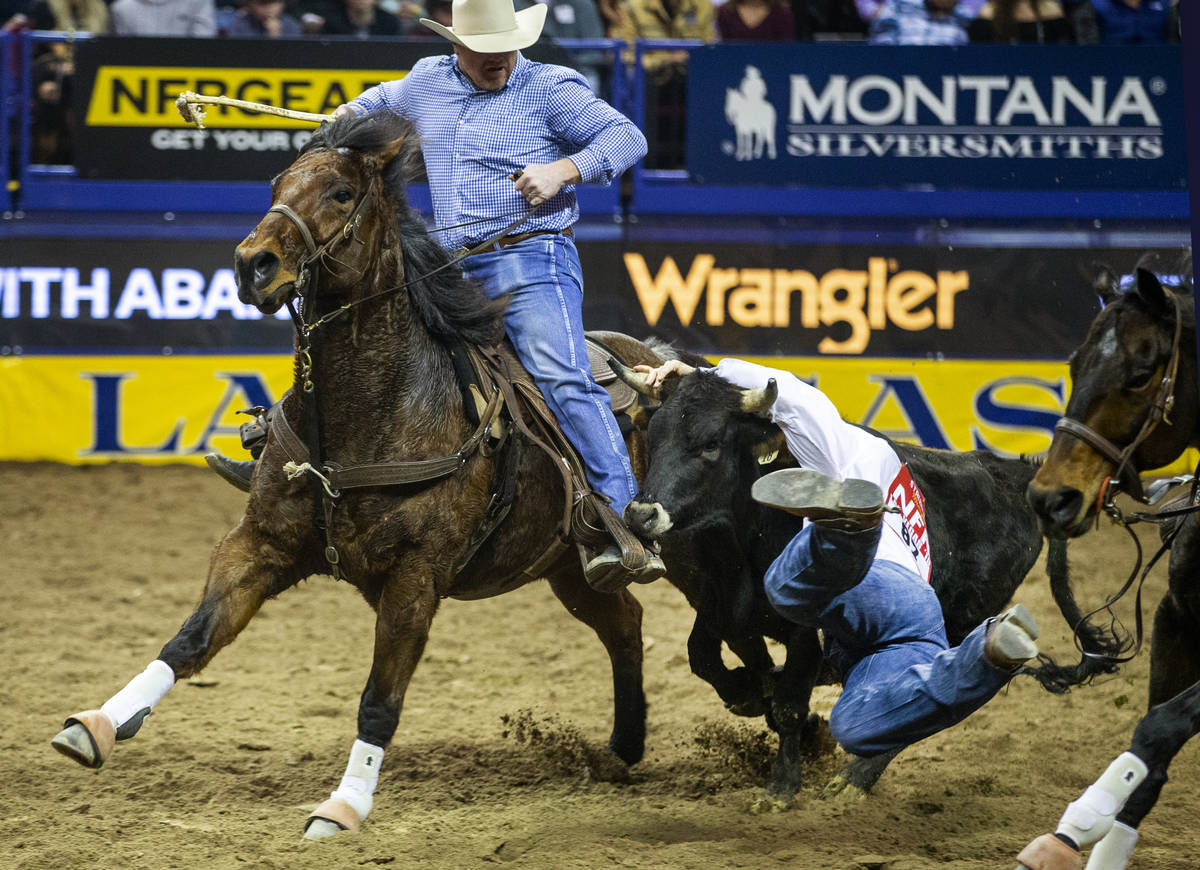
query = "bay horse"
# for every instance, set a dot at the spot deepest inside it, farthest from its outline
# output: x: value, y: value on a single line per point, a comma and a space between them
x: 386, y: 391
x: 1134, y: 406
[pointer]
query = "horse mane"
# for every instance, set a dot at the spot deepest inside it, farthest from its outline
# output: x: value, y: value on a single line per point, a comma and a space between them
x: 451, y: 307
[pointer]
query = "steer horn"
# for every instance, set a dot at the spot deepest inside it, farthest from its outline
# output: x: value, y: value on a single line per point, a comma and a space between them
x: 760, y: 401
x: 637, y: 380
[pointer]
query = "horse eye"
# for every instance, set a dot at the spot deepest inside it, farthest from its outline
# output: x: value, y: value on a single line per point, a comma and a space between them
x: 1139, y: 379
x: 343, y: 195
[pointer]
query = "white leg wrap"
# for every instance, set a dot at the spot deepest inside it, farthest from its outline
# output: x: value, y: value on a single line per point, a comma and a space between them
x: 144, y: 690
x: 1112, y: 853
x: 357, y: 787
x: 1088, y: 819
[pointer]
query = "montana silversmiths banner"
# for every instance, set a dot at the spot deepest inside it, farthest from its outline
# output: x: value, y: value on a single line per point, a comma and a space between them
x: 64, y: 295
x: 128, y: 126
x: 980, y: 116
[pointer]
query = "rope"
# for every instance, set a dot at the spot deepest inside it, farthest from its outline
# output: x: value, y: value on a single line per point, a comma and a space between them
x: 293, y: 471
x: 188, y: 103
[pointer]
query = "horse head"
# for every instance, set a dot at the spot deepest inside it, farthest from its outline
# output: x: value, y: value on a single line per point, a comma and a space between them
x: 332, y: 218
x: 1133, y: 403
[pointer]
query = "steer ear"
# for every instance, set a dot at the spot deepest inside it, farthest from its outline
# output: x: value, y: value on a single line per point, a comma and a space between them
x: 767, y: 451
x: 637, y: 380
x: 760, y: 401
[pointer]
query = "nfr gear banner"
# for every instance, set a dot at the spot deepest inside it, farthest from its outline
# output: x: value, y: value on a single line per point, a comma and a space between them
x: 129, y: 126
x: 979, y: 116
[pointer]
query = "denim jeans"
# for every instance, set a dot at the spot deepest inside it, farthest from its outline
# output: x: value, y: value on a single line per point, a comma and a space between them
x: 544, y: 321
x: 883, y: 628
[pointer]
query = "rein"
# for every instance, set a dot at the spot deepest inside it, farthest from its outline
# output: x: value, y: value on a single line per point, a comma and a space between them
x: 1127, y: 522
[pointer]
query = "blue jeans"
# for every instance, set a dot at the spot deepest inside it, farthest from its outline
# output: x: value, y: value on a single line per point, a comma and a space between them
x: 544, y: 321
x: 883, y: 628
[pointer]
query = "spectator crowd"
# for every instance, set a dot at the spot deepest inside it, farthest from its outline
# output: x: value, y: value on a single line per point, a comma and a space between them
x: 882, y: 22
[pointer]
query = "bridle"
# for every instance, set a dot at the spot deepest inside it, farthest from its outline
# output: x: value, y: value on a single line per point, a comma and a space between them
x: 1125, y: 477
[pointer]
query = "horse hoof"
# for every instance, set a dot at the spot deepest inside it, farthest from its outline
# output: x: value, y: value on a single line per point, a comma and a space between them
x: 330, y: 818
x: 320, y: 829
x: 86, y: 737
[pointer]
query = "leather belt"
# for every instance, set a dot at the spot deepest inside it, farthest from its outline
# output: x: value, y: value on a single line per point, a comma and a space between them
x: 505, y: 241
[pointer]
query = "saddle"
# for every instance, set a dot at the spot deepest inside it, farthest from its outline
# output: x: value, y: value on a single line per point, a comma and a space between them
x: 588, y: 518
x: 499, y: 400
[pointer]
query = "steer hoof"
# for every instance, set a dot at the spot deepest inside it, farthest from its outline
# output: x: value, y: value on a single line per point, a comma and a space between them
x: 841, y: 789
x: 329, y: 818
x: 86, y: 737
x: 773, y: 803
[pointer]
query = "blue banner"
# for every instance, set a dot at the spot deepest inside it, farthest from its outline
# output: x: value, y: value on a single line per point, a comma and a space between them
x: 980, y: 116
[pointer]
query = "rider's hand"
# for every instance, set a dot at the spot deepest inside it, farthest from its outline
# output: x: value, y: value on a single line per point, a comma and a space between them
x: 344, y: 111
x: 540, y: 181
x: 656, y: 375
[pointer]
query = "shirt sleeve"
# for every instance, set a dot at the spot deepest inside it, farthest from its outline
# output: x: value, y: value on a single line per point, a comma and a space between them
x: 601, y: 142
x: 393, y: 95
x: 816, y: 433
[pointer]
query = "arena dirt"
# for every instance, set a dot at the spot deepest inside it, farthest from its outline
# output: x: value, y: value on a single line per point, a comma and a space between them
x: 498, y: 760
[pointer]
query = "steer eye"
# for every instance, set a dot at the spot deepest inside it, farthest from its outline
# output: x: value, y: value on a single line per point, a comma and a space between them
x: 343, y: 195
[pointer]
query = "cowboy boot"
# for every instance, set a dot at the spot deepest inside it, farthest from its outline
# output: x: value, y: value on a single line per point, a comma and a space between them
x: 845, y: 505
x: 611, y: 554
x: 238, y: 473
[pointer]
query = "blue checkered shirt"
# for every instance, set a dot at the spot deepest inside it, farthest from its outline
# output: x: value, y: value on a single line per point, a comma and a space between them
x: 473, y: 139
x: 911, y: 22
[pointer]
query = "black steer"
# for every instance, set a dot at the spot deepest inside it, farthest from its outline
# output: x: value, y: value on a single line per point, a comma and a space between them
x: 707, y: 443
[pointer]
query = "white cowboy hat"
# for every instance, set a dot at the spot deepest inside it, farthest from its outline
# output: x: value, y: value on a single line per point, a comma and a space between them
x: 491, y: 26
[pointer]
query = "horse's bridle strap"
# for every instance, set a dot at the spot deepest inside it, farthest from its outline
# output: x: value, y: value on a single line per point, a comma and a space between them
x: 1160, y: 410
x: 288, y: 212
x: 1090, y: 436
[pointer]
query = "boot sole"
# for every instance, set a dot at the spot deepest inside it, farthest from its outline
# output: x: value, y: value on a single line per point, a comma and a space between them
x: 810, y: 494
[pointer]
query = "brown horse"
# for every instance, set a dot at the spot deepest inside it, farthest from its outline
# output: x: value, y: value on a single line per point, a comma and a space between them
x: 1134, y: 406
x: 382, y: 373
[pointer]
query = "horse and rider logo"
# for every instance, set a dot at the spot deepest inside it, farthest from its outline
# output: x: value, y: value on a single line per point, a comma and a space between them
x: 752, y: 117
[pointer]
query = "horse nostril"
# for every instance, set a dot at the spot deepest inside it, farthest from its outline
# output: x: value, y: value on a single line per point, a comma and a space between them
x: 1059, y: 506
x: 263, y: 266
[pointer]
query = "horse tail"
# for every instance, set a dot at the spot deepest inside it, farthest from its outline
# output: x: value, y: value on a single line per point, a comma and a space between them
x: 1098, y: 645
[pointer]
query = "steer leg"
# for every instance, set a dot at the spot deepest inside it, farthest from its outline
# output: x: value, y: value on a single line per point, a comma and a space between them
x: 242, y: 574
x: 617, y: 620
x: 745, y: 691
x: 403, y: 615
x: 790, y: 714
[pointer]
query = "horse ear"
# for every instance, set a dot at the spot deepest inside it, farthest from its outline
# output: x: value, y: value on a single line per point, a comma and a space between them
x: 1106, y: 284
x: 1151, y: 290
x: 388, y: 152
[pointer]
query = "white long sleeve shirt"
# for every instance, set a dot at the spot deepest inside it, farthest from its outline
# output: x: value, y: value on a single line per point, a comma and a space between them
x: 820, y: 439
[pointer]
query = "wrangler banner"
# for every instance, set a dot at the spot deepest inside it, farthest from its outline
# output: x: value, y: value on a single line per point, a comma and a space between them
x: 75, y: 295
x: 979, y: 116
x: 129, y: 126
